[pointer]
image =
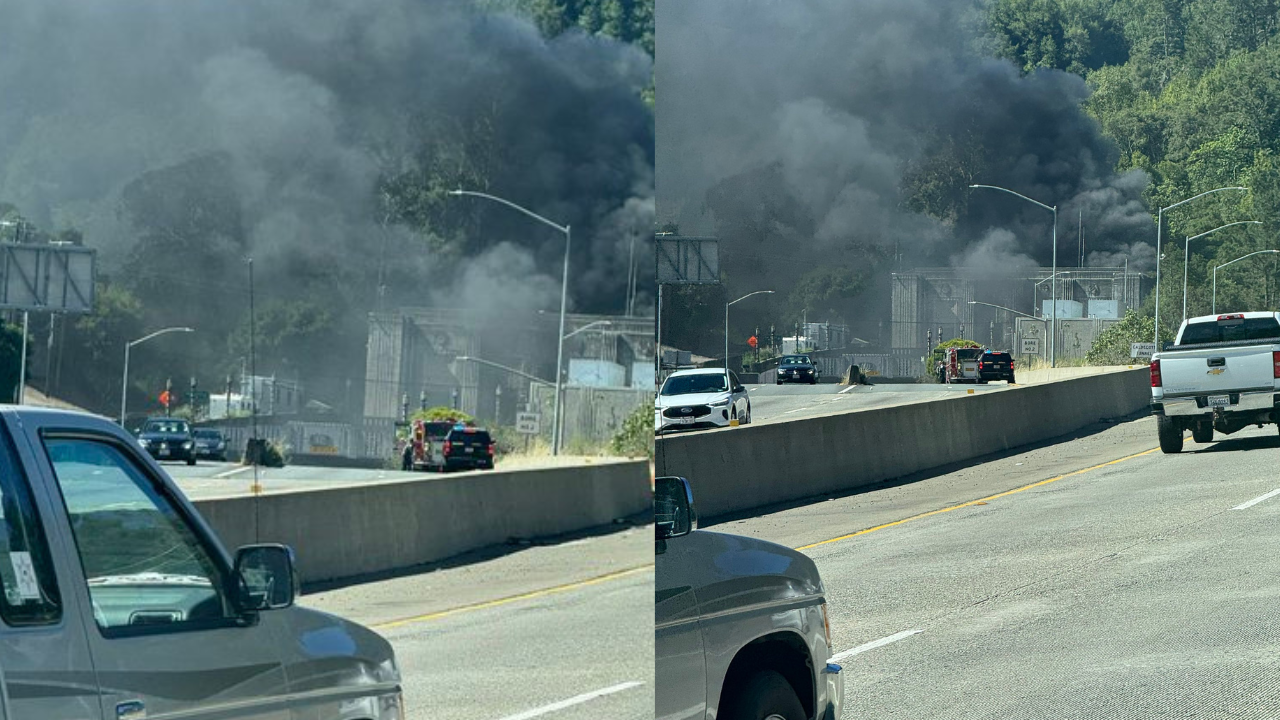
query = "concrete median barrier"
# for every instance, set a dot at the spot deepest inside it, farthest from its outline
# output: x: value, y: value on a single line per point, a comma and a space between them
x: 352, y: 530
x: 756, y: 465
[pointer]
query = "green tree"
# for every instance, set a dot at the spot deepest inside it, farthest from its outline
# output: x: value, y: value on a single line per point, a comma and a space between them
x: 635, y: 437
x: 1112, y: 346
x: 10, y: 361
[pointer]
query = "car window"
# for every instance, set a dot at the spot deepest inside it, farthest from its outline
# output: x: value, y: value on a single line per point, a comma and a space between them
x: 30, y: 594
x: 166, y: 427
x: 689, y: 384
x: 1265, y: 328
x: 469, y: 437
x: 142, y: 561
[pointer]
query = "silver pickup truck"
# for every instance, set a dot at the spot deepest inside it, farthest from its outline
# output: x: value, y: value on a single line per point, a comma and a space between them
x: 117, y: 602
x: 741, y: 625
x: 1222, y: 373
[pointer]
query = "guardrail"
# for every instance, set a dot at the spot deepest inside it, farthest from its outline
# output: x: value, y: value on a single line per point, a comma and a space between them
x: 751, y: 466
x: 348, y: 531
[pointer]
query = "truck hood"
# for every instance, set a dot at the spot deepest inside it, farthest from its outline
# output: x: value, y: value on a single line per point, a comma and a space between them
x: 331, y: 652
x: 738, y: 571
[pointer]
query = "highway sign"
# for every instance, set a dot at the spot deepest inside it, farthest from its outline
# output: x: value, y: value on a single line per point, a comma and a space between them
x: 528, y: 423
x: 56, y: 278
x: 688, y: 260
x: 1030, y: 346
x: 1141, y: 349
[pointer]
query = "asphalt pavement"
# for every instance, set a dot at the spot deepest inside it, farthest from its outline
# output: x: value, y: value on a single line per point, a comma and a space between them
x: 561, y: 631
x: 783, y: 403
x: 1093, y: 578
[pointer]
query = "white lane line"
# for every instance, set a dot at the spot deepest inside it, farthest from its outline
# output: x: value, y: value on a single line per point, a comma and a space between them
x: 233, y: 471
x: 1257, y: 500
x: 576, y: 700
x: 874, y: 644
x: 851, y: 387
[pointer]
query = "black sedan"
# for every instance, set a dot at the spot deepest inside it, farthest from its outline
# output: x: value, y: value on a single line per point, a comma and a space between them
x: 796, y: 368
x: 168, y: 439
x: 210, y: 444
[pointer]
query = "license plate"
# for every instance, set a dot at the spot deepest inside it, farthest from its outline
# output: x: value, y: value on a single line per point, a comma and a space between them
x: 164, y: 451
x: 470, y: 449
x: 683, y: 421
x: 1219, y: 401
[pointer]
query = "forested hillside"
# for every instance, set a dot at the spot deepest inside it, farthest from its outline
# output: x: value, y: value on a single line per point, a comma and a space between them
x: 1190, y: 94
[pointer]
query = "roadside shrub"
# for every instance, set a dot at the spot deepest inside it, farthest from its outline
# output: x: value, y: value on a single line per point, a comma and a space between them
x: 1112, y: 345
x: 635, y: 437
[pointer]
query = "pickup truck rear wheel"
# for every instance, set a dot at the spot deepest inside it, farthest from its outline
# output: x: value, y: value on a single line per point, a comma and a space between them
x: 1170, y: 435
x: 765, y: 695
x: 1202, y: 433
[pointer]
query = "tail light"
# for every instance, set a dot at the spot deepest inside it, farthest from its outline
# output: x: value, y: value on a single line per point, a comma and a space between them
x: 491, y: 446
x: 1010, y: 363
x: 1155, y: 373
x: 1275, y: 363
x: 448, y: 446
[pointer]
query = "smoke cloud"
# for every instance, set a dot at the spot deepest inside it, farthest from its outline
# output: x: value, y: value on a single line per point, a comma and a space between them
x: 827, y: 129
x: 313, y: 104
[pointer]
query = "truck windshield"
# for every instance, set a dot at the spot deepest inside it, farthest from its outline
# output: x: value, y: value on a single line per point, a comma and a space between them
x: 1264, y: 328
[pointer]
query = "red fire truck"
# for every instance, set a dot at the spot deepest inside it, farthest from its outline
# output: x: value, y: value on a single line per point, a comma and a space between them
x: 961, y: 365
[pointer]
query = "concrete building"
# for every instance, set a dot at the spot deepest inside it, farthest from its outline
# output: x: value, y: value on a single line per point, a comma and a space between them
x: 413, y: 361
x: 933, y: 304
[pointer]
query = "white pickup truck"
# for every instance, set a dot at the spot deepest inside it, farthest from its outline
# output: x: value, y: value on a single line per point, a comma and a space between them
x: 1222, y: 373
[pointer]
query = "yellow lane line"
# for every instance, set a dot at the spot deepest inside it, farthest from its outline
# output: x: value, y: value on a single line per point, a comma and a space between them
x: 514, y: 598
x: 980, y: 501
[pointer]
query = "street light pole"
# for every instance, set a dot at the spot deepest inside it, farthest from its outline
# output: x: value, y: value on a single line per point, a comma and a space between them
x: 1159, y: 243
x: 1053, y: 326
x: 1216, y: 269
x: 1186, y: 257
x: 564, y: 297
x: 726, y: 330
x: 124, y: 384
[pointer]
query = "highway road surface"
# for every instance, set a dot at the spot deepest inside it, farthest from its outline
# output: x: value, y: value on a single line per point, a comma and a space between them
x: 1094, y: 578
x: 782, y: 403
x: 558, y: 632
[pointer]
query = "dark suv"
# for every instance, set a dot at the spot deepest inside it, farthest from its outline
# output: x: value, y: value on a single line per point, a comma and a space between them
x: 995, y: 365
x: 469, y: 448
x: 166, y: 438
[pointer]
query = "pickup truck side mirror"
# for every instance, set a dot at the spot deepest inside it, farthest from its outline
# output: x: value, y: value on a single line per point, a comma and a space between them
x: 673, y: 513
x: 267, y: 577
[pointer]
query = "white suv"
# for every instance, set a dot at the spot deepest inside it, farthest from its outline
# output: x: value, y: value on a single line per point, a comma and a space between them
x: 701, y: 398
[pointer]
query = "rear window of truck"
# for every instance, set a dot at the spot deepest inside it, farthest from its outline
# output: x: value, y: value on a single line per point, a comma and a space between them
x: 1230, y: 330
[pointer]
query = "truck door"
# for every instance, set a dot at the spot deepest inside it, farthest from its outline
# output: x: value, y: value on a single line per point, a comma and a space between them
x: 45, y: 663
x: 164, y: 636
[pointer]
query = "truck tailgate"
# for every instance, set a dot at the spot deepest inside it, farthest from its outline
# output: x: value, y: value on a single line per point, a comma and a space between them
x: 1217, y: 370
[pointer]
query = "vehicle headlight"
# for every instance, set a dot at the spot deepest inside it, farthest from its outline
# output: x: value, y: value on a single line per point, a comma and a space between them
x: 721, y: 402
x: 142, y: 442
x: 186, y: 445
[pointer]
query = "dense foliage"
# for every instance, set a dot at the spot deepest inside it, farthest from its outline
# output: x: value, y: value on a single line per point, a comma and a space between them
x: 1112, y: 346
x: 1190, y: 93
x: 635, y: 437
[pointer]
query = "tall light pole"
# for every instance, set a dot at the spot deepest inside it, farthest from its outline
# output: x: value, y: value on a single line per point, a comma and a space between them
x: 1159, y: 243
x: 26, y: 318
x: 1216, y: 269
x: 1186, y: 257
x: 124, y: 384
x: 564, y: 296
x: 726, y: 331
x: 1053, y: 325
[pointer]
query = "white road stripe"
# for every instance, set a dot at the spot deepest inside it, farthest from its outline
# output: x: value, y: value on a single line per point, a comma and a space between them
x: 851, y: 387
x: 576, y: 700
x: 1257, y: 500
x: 233, y: 471
x: 874, y: 644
